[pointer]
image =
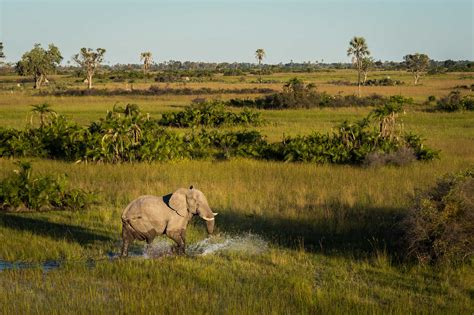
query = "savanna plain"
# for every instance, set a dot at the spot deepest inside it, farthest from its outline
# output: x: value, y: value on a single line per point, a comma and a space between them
x: 315, y: 238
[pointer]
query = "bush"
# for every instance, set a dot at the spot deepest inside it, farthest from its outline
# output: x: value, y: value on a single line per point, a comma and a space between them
x: 155, y: 90
x: 210, y: 114
x: 352, y: 143
x: 340, y: 82
x: 374, y: 82
x: 383, y: 82
x: 455, y: 102
x: 465, y: 87
x: 168, y: 77
x: 440, y: 227
x: 22, y: 191
x: 233, y: 72
x: 250, y: 144
x: 296, y: 94
x: 123, y: 75
x: 262, y: 71
x: 127, y: 135
x: 403, y: 156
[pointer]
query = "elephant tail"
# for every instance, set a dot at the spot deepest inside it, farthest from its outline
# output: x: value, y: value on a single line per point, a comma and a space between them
x: 127, y: 225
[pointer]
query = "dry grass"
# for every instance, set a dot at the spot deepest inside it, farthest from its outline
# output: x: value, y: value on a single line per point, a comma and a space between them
x: 437, y: 85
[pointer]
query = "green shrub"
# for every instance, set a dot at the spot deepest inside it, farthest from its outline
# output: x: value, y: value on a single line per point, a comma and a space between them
x: 352, y: 143
x: 210, y: 114
x: 468, y: 102
x: 440, y: 226
x: 455, y: 102
x: 296, y: 94
x: 249, y: 144
x: 422, y: 153
x: 233, y: 72
x: 126, y: 135
x: 155, y: 90
x: 22, y: 191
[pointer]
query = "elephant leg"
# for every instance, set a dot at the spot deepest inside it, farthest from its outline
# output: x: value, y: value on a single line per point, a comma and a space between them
x: 178, y: 238
x: 183, y: 240
x: 126, y: 239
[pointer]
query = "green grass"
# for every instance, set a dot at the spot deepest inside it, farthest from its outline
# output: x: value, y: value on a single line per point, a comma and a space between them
x: 276, y: 282
x: 329, y: 227
x: 332, y: 230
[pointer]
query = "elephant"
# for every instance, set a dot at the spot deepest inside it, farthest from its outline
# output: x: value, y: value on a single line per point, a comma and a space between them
x: 148, y: 216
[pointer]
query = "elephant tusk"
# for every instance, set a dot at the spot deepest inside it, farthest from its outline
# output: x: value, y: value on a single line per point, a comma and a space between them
x: 215, y: 213
x: 207, y: 219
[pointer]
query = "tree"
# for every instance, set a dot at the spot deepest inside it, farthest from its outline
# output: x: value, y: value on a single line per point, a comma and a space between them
x: 359, y: 50
x: 417, y: 64
x: 259, y: 55
x: 43, y: 110
x: 89, y: 60
x: 367, y: 65
x: 147, y: 59
x: 39, y: 62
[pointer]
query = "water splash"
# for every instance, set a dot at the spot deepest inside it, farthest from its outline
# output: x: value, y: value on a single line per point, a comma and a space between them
x: 249, y: 244
x: 158, y: 249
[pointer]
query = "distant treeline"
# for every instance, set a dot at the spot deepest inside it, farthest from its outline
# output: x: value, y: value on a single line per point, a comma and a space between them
x: 205, y: 69
x: 309, y: 66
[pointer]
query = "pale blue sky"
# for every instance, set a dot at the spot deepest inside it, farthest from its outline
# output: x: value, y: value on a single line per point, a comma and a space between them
x: 231, y: 30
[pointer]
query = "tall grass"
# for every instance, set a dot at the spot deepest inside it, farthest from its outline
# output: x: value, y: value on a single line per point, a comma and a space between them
x: 288, y: 203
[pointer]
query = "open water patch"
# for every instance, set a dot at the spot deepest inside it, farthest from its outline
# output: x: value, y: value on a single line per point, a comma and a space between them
x: 18, y: 265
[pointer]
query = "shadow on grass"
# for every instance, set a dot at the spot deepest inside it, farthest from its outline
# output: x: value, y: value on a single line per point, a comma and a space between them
x: 70, y: 233
x: 357, y: 232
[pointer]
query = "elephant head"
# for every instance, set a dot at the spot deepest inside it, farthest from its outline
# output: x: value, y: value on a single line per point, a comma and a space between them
x: 192, y: 201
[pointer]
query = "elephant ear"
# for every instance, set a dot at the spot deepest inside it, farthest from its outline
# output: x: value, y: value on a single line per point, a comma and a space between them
x: 178, y: 202
x: 191, y: 200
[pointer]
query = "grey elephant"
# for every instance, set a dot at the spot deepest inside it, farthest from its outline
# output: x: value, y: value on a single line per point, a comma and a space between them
x: 148, y: 216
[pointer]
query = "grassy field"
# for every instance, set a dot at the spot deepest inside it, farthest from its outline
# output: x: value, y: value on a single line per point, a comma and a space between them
x: 327, y: 234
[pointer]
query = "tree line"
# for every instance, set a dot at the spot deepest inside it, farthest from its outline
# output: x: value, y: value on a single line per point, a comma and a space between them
x: 40, y: 62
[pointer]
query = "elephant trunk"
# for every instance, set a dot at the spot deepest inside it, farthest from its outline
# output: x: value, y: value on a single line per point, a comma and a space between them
x: 206, y: 214
x: 210, y: 227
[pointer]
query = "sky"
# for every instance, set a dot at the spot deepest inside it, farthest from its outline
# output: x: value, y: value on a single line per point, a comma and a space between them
x: 231, y: 30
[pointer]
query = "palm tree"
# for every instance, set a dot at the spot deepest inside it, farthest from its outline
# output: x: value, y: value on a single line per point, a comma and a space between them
x: 146, y: 57
x: 259, y: 55
x: 359, y: 50
x: 42, y: 110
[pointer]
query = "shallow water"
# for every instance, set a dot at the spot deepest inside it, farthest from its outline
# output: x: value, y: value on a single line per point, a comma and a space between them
x: 246, y: 244
x: 45, y: 266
